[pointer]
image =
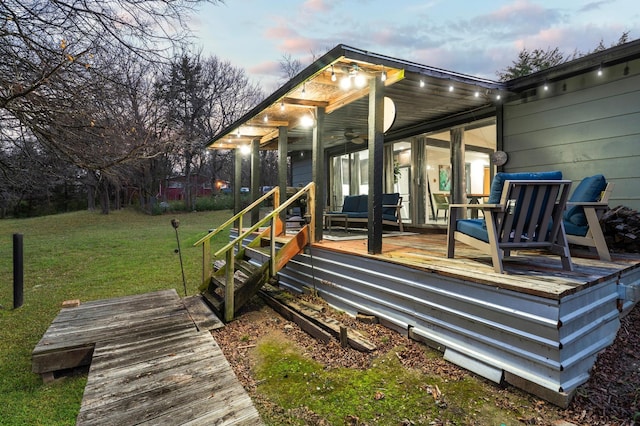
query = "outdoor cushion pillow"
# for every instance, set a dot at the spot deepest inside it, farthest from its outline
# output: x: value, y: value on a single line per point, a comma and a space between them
x: 363, y: 204
x: 390, y: 200
x: 588, y: 190
x: 500, y: 177
x: 350, y: 203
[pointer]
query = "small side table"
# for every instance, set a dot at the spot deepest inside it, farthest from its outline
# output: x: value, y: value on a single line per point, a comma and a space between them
x: 328, y: 218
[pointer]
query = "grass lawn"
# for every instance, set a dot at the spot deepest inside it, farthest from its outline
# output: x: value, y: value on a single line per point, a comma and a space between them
x: 86, y: 256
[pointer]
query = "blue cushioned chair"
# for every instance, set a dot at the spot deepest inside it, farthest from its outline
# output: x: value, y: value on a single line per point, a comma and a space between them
x: 524, y: 211
x: 586, y: 206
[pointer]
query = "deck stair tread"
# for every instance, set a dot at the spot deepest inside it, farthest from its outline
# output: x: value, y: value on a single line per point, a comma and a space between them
x: 151, y: 362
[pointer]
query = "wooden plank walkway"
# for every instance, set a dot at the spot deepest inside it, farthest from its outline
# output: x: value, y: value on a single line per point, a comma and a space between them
x: 150, y: 364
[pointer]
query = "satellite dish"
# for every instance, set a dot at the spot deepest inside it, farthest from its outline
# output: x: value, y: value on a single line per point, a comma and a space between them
x: 389, y: 114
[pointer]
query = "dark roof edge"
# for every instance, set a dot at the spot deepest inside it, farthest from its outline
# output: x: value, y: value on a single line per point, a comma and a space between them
x: 342, y: 50
x: 604, y: 58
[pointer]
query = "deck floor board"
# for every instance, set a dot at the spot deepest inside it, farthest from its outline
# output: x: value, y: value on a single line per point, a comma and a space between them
x: 532, y: 272
x: 150, y: 364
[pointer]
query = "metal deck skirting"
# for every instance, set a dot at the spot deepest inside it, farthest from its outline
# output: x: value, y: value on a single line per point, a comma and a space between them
x: 545, y: 346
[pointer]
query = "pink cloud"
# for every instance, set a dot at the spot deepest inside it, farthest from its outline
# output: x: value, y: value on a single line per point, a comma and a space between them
x: 316, y: 6
x: 518, y: 8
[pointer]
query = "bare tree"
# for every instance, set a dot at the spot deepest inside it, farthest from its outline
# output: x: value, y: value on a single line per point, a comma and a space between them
x: 202, y: 96
x: 57, y: 76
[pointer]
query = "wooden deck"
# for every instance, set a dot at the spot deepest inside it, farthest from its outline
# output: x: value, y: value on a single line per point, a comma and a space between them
x: 153, y: 361
x: 532, y: 272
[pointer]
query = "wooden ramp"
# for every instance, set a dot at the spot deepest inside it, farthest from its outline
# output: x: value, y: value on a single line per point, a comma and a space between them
x: 150, y: 364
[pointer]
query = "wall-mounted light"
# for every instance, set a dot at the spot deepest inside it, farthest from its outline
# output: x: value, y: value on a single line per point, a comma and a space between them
x: 422, y: 83
x: 238, y: 133
x: 451, y: 87
x: 626, y: 69
x: 333, y: 74
x: 353, y: 78
x: 383, y: 76
x: 304, y: 88
x: 545, y: 87
x: 266, y: 118
x: 306, y: 120
x: 599, y: 71
x: 282, y: 105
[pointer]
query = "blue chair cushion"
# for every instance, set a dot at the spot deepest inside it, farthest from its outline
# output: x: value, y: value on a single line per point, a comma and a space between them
x: 350, y: 203
x: 390, y: 200
x: 357, y: 215
x: 473, y: 227
x: 573, y: 229
x: 588, y: 190
x: 498, y: 181
x: 363, y: 204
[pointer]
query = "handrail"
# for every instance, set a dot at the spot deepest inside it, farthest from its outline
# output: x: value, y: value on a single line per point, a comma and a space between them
x: 275, y: 213
x: 237, y: 216
x: 228, y: 248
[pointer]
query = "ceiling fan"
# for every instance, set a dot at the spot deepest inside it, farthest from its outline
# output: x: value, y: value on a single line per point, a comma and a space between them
x: 354, y: 137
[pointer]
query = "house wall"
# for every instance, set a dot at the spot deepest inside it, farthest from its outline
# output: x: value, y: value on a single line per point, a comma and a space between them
x: 583, y: 125
x: 301, y: 169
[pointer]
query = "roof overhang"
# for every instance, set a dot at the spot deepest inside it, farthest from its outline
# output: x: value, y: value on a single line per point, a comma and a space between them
x: 615, y: 55
x: 419, y: 93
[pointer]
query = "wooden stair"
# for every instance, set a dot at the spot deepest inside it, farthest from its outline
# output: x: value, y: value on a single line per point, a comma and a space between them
x: 252, y: 269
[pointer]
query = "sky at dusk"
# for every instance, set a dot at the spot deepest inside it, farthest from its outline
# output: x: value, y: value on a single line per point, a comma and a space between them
x: 473, y: 37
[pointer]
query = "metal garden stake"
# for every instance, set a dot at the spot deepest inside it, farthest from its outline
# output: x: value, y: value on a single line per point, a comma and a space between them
x: 175, y: 223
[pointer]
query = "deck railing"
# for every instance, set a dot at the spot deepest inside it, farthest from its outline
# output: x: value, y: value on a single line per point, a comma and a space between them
x: 234, y: 247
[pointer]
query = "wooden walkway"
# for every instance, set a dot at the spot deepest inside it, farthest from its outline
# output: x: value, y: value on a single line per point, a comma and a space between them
x: 153, y: 361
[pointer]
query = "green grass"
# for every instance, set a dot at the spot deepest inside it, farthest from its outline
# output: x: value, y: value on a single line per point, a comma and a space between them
x: 86, y: 256
x: 90, y: 256
x: 384, y: 394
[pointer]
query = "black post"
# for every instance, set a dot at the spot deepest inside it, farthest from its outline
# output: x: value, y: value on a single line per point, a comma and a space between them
x: 18, y: 271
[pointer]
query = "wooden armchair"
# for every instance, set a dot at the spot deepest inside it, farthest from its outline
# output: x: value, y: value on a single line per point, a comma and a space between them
x: 528, y: 216
x: 441, y: 202
x: 587, y: 204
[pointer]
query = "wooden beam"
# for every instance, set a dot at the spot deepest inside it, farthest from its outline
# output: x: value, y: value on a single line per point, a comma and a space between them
x: 269, y: 124
x: 305, y: 102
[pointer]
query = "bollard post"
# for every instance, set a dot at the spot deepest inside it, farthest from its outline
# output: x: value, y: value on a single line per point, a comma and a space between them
x: 18, y: 271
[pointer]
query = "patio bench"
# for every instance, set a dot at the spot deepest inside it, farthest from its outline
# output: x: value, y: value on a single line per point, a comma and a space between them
x: 355, y: 209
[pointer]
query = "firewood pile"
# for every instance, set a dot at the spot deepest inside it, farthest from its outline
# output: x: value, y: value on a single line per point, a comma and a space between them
x: 621, y: 228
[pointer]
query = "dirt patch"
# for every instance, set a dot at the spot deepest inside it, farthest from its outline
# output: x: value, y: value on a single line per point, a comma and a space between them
x: 610, y: 397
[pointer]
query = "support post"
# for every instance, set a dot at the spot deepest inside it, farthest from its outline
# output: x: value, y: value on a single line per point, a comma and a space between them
x: 255, y: 178
x: 319, y: 175
x: 376, y: 165
x: 282, y: 168
x: 18, y: 271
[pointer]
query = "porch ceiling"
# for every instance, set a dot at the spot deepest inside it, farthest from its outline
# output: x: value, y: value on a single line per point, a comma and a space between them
x: 420, y: 94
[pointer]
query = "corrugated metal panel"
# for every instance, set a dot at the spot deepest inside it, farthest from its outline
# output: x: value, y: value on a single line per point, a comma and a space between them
x: 550, y: 343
